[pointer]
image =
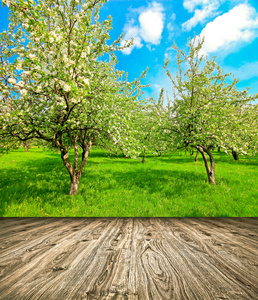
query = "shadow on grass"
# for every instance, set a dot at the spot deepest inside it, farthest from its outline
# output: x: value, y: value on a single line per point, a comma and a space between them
x: 35, y: 177
x: 104, y: 159
x: 245, y: 161
x: 176, y: 159
x: 166, y: 182
x: 46, y: 178
x: 220, y: 158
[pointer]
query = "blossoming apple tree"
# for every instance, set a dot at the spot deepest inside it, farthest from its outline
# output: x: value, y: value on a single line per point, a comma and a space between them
x: 58, y: 89
x: 148, y: 124
x: 207, y: 110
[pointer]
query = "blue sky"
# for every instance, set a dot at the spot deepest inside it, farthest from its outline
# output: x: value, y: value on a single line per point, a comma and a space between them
x: 230, y: 28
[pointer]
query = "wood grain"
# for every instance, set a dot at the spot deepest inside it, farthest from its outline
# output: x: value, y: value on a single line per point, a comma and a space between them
x: 128, y: 258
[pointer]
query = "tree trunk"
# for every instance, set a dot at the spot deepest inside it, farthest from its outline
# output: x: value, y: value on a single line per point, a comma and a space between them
x: 218, y: 149
x: 235, y: 155
x: 74, y: 185
x: 75, y: 171
x: 143, y: 158
x: 26, y: 146
x: 159, y: 152
x: 209, y: 169
x: 196, y: 156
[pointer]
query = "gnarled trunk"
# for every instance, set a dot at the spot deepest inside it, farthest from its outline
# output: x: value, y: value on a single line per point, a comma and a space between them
x: 210, y: 169
x: 235, y: 155
x: 26, y: 146
x: 74, y: 185
x: 196, y: 156
x: 75, y: 171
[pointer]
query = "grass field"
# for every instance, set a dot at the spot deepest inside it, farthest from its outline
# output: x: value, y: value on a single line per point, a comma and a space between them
x: 36, y: 183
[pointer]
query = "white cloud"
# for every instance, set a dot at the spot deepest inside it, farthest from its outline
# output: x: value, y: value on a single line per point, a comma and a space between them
x: 171, y: 27
x: 246, y: 71
x: 237, y: 25
x: 149, y: 29
x: 152, y: 24
x: 203, y: 10
x: 200, y: 15
x: 247, y: 75
x: 131, y: 32
x: 158, y: 87
x: 191, y: 5
x: 169, y: 53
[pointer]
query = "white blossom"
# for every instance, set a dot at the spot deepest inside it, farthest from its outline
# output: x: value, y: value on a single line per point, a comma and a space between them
x: 19, y: 67
x: 23, y: 92
x: 67, y: 87
x: 86, y: 81
x: 26, y: 73
x: 39, y: 89
x: 84, y: 55
x: 12, y: 80
x: 32, y: 56
x: 20, y: 83
x: 46, y: 70
x: 85, y: 5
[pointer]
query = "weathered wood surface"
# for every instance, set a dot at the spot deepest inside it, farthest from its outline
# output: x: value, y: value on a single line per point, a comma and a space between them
x: 128, y: 258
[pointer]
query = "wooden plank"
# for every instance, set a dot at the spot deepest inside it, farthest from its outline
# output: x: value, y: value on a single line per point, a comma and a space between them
x: 128, y: 258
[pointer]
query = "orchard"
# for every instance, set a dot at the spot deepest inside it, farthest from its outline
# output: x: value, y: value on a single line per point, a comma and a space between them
x: 56, y: 88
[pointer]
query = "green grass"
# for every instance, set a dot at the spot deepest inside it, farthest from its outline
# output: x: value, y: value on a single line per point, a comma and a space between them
x: 36, y: 184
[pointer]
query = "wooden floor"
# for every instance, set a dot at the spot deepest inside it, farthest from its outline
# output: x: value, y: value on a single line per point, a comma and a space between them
x: 128, y: 258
